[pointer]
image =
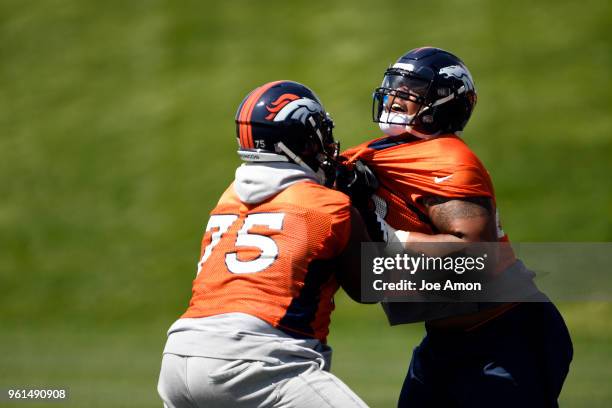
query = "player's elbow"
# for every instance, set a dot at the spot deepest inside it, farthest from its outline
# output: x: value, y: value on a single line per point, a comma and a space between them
x: 474, y: 230
x: 473, y: 235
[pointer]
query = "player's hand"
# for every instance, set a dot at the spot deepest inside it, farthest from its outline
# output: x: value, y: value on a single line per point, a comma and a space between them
x: 357, y: 181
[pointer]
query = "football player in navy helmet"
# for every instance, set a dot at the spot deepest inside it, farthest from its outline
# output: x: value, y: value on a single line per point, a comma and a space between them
x: 276, y: 248
x: 425, y: 93
x: 284, y: 121
x: 432, y: 188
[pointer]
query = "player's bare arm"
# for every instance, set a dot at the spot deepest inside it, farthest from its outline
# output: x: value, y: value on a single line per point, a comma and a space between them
x: 470, y: 219
x: 464, y: 220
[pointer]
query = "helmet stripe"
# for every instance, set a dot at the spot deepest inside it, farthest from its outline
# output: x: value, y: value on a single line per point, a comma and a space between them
x: 247, y: 111
x: 241, y: 121
x: 239, y: 124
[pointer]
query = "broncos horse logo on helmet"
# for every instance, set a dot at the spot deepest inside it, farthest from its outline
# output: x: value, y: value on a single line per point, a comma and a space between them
x: 285, y: 121
x: 279, y: 104
x: 301, y: 109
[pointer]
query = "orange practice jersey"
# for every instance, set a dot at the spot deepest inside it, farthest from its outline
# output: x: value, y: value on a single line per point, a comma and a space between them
x: 274, y: 260
x: 409, y: 170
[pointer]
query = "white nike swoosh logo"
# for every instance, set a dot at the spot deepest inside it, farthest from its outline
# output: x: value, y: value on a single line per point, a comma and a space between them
x: 438, y: 180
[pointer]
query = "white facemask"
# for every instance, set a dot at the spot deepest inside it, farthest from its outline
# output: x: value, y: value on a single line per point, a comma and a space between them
x: 395, y: 124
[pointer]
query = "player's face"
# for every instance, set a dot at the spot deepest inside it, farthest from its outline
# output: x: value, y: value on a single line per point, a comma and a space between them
x: 399, y: 101
x: 395, y: 103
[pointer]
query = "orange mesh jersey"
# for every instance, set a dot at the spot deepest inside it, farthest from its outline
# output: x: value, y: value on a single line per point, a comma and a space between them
x: 409, y: 170
x: 274, y: 260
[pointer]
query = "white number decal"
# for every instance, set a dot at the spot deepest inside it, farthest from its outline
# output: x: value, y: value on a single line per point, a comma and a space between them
x: 269, y: 249
x: 260, y: 144
x: 222, y: 222
x: 267, y: 246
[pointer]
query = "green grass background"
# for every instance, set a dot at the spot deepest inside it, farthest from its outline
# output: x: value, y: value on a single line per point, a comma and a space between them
x: 117, y: 137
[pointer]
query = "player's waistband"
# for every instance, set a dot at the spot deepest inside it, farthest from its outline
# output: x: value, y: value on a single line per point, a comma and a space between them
x: 242, y: 337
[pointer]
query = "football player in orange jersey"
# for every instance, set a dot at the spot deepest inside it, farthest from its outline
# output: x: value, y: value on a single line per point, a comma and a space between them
x: 432, y: 188
x: 275, y: 250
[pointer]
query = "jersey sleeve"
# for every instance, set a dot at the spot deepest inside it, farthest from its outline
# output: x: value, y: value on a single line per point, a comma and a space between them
x: 444, y: 166
x: 461, y: 181
x: 464, y: 174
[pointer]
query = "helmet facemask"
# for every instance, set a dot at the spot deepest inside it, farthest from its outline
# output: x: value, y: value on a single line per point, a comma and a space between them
x: 319, y: 152
x: 327, y: 157
x: 400, y: 91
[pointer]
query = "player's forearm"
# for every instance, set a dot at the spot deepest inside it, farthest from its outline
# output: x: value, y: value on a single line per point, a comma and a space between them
x: 429, y: 244
x: 414, y: 238
x: 433, y: 245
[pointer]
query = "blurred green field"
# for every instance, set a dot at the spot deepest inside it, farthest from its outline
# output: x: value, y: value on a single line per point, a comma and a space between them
x: 117, y: 137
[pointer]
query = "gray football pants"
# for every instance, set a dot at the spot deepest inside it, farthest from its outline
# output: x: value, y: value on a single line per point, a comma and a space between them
x: 202, y: 382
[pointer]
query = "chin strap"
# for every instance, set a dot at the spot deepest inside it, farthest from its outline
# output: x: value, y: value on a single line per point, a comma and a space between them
x: 320, y: 174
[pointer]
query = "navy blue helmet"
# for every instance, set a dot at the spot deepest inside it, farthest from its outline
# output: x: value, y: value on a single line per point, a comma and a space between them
x: 436, y: 81
x: 285, y: 121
